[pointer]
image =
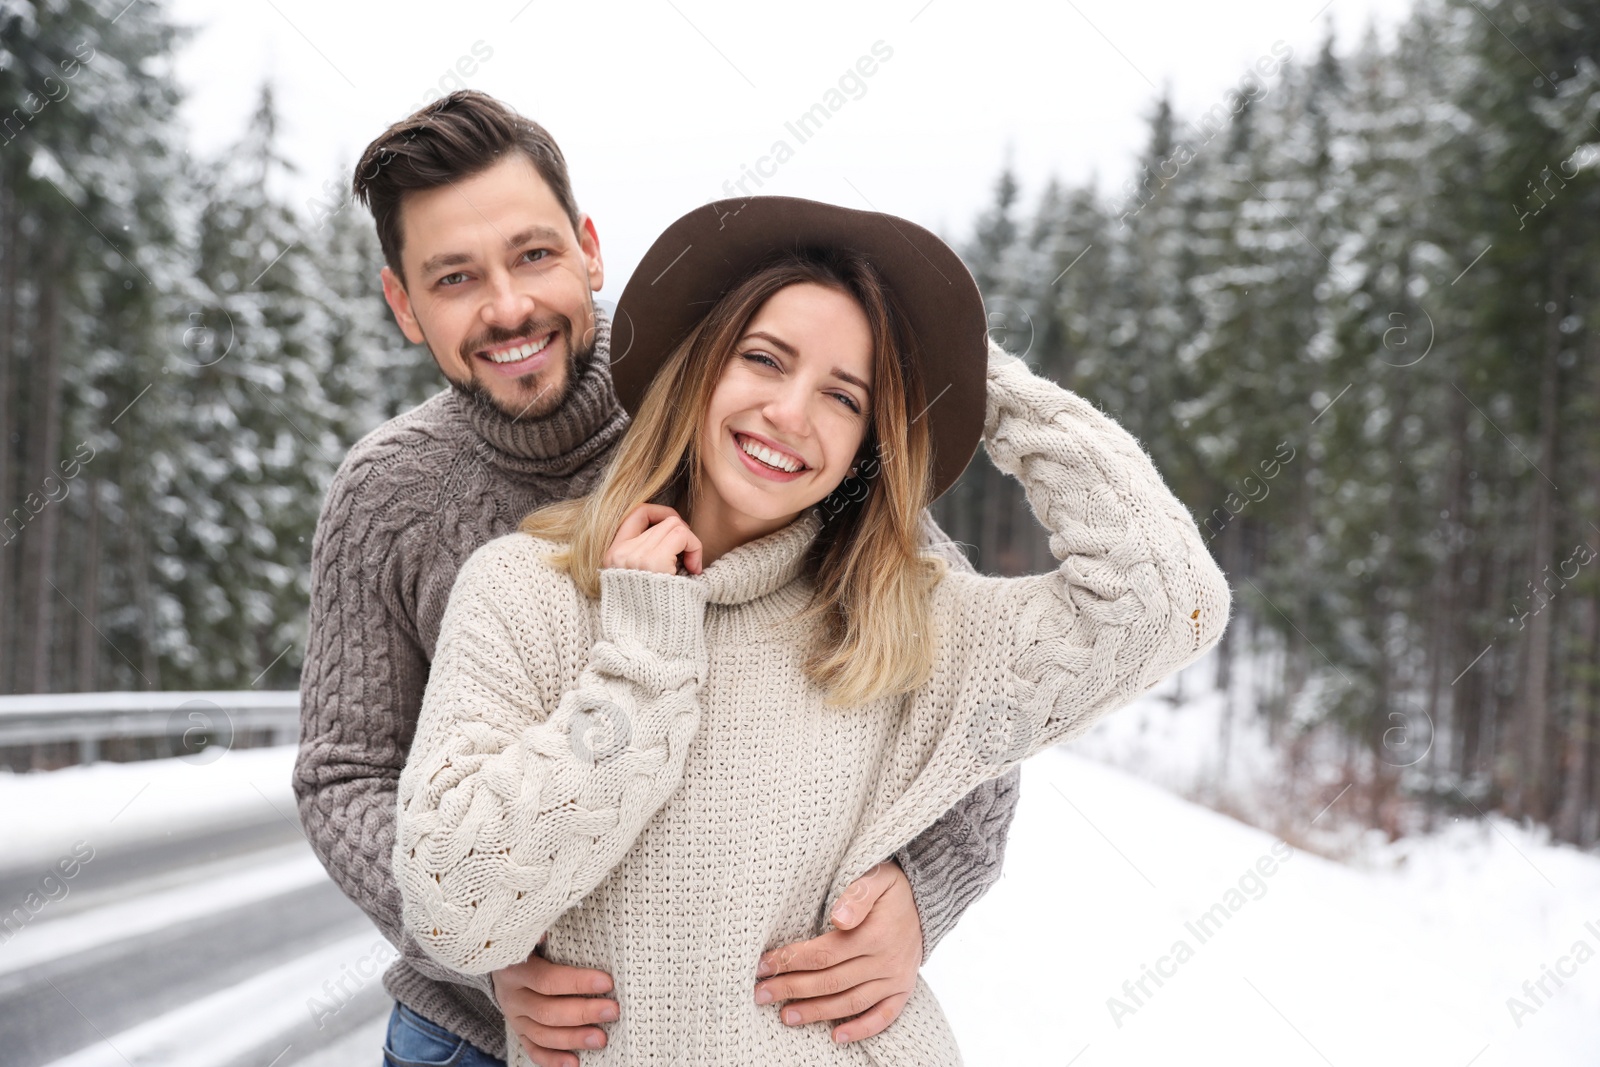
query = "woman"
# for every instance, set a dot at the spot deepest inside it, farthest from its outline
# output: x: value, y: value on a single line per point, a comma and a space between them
x: 669, y: 722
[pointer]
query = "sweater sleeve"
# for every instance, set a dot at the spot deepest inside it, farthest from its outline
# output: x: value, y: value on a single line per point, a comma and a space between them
x: 360, y: 687
x: 956, y: 860
x: 1026, y: 663
x: 511, y: 811
x: 959, y: 858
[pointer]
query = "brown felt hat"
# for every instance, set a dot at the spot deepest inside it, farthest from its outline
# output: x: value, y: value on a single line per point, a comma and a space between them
x: 710, y: 250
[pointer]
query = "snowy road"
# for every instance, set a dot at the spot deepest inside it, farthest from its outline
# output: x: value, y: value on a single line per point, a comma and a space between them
x: 217, y: 943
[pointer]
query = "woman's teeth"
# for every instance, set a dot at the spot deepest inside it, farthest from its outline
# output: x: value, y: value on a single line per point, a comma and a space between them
x: 766, y: 455
x: 512, y: 355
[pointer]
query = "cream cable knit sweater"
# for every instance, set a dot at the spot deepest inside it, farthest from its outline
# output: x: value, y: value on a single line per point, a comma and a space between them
x: 651, y: 778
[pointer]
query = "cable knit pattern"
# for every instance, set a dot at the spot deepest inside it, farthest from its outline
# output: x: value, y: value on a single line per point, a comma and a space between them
x: 649, y: 779
x: 410, y: 503
x: 516, y: 820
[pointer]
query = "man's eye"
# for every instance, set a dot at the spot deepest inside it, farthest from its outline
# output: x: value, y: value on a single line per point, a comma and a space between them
x: 536, y: 253
x: 446, y: 280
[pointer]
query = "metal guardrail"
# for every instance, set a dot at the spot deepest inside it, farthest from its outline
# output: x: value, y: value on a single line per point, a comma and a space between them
x: 36, y: 730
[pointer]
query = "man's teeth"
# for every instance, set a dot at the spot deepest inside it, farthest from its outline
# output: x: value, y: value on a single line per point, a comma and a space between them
x: 512, y: 355
x: 768, y: 456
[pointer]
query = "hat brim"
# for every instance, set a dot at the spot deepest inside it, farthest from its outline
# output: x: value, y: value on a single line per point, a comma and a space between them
x: 704, y: 254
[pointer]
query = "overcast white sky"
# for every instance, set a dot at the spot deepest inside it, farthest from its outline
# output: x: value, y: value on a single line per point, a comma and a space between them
x: 658, y: 103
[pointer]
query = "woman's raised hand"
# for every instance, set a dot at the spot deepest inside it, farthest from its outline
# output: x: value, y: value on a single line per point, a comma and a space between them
x: 651, y: 538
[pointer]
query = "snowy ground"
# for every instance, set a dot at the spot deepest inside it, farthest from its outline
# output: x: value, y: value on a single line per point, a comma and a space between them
x: 1409, y: 953
x: 1409, y: 958
x: 1314, y: 964
x: 126, y: 805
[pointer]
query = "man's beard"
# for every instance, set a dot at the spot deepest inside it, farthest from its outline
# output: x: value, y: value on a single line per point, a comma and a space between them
x: 541, y: 400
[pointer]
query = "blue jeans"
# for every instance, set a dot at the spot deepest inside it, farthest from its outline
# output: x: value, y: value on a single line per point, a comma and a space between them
x: 413, y: 1041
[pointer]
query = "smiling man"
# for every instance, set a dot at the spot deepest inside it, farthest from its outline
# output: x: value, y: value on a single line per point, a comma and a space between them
x: 497, y: 275
x: 491, y: 265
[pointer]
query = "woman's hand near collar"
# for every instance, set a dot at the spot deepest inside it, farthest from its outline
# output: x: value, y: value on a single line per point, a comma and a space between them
x: 651, y: 538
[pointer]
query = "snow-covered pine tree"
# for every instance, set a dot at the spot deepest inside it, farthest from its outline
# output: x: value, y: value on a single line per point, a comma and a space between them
x: 239, y: 491
x: 374, y: 372
x: 90, y: 257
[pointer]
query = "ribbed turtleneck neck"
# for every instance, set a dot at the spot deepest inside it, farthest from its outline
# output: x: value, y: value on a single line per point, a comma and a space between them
x: 588, y: 420
x: 762, y: 566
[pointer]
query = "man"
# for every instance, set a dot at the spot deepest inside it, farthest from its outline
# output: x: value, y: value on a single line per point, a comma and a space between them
x: 491, y: 265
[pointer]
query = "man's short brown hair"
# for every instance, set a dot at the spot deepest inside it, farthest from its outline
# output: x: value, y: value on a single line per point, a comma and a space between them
x: 454, y: 137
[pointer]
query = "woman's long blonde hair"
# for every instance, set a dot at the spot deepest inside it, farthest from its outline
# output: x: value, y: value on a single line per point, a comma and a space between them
x: 870, y: 612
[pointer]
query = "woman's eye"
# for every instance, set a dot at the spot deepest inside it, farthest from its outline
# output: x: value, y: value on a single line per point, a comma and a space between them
x: 849, y: 402
x: 762, y: 358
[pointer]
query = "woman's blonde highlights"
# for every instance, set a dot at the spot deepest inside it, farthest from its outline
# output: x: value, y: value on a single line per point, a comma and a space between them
x: 870, y: 609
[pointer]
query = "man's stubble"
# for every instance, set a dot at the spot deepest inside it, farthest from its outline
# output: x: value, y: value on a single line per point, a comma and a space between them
x: 541, y: 401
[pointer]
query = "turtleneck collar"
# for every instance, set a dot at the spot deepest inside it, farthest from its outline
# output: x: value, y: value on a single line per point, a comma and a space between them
x: 586, y: 423
x: 765, y: 565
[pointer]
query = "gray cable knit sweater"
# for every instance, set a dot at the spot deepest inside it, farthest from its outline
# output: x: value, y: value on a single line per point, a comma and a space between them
x: 412, y: 500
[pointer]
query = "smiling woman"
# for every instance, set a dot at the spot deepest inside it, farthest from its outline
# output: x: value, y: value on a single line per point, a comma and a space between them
x: 811, y: 409
x: 764, y: 410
